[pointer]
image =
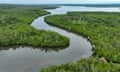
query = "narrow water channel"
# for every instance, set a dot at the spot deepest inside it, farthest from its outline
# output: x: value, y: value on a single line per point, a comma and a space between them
x: 29, y: 59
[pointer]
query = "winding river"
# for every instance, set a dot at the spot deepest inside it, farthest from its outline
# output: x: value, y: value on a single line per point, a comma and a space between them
x: 29, y: 59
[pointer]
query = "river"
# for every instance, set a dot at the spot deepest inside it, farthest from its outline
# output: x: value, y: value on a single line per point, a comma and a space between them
x: 29, y: 59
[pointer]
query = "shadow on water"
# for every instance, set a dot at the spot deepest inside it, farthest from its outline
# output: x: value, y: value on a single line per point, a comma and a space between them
x: 44, y: 49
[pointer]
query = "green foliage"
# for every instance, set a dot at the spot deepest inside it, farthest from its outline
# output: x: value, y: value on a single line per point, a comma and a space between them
x: 85, y: 65
x: 27, y: 35
x: 15, y: 29
x: 104, y: 32
x: 20, y: 15
x: 102, y: 28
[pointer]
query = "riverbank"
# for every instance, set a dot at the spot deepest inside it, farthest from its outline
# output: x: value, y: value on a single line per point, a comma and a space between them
x: 102, y: 29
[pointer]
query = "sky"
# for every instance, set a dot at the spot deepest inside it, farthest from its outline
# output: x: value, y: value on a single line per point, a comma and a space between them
x: 58, y: 1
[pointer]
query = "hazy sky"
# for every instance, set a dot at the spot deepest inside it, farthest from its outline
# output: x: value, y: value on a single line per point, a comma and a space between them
x: 57, y: 1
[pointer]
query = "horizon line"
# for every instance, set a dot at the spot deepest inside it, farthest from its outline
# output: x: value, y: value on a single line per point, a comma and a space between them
x: 59, y: 3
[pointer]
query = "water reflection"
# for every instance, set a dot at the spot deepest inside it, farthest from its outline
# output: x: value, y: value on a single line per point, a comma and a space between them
x: 43, y: 49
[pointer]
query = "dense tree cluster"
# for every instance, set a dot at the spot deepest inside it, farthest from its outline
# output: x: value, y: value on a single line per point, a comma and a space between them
x: 24, y: 15
x: 15, y: 28
x: 102, y: 28
x: 27, y: 35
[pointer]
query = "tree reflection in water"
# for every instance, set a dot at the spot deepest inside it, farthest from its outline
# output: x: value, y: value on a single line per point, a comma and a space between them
x: 44, y: 49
